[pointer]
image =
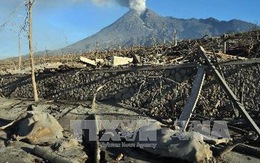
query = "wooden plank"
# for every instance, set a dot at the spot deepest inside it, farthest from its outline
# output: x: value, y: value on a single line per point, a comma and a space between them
x: 229, y: 92
x: 119, y: 61
x: 88, y: 61
x: 193, y: 99
x: 241, y: 62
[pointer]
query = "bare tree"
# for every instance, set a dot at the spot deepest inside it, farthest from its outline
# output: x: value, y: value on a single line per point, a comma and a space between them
x: 30, y: 38
x: 19, y: 53
x: 175, y: 38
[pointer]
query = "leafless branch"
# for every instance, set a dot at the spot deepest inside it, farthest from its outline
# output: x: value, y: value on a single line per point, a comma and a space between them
x: 2, y: 26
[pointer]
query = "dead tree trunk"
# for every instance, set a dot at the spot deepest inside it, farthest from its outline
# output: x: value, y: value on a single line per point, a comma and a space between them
x: 175, y: 41
x: 225, y: 47
x: 19, y: 55
x: 30, y: 38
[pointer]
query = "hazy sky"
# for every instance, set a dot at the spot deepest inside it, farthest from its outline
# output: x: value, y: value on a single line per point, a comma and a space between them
x: 58, y: 23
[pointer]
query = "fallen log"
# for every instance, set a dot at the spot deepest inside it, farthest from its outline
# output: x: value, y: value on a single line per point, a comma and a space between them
x: 50, y: 157
x: 248, y: 150
x: 237, y: 147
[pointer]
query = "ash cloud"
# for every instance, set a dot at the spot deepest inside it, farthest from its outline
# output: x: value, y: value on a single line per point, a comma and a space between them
x: 138, y: 5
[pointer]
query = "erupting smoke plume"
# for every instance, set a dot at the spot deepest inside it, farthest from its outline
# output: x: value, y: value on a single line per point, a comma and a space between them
x: 138, y: 5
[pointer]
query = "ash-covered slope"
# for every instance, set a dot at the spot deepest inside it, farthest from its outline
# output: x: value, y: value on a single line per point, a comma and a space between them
x: 135, y: 29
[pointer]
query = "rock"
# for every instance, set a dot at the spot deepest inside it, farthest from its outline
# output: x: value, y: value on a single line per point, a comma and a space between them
x: 187, y: 146
x: 39, y: 128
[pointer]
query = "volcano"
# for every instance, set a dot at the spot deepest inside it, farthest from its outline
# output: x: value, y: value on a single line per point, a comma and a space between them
x: 144, y: 29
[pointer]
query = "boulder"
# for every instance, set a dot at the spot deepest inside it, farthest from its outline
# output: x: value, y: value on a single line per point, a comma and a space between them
x: 39, y: 128
x: 187, y: 146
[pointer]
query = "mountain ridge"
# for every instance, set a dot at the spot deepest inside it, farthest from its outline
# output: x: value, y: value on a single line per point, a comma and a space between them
x: 133, y: 29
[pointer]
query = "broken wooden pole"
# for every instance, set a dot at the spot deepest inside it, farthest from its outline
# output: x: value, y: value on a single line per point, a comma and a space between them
x: 97, y: 149
x: 193, y: 99
x: 229, y: 92
x: 242, y: 93
x: 225, y: 47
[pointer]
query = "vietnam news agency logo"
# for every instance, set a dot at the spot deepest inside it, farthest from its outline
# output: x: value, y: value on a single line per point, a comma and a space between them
x: 139, y: 133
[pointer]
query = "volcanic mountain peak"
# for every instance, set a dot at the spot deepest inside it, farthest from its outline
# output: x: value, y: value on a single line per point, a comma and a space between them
x: 134, y: 28
x: 137, y: 20
x: 146, y: 14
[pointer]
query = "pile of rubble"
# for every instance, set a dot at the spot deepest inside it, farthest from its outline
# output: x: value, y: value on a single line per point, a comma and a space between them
x: 227, y: 47
x: 178, y: 134
x: 35, y: 135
